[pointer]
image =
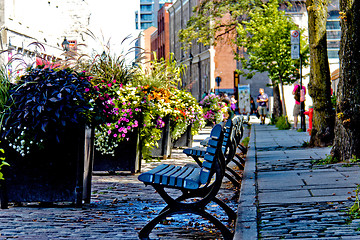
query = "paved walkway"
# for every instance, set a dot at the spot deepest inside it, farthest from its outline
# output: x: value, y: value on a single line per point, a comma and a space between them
x: 284, y: 195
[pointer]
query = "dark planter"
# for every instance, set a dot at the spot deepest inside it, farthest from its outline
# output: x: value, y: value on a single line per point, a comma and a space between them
x: 164, y: 149
x: 127, y: 157
x: 185, y: 140
x: 59, y: 173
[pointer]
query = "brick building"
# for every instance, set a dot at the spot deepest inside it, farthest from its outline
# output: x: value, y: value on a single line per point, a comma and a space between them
x: 199, y: 77
x: 163, y: 47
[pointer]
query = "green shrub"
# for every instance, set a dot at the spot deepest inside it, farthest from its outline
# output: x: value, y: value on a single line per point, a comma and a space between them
x: 354, y: 211
x: 329, y: 159
x: 245, y: 141
x: 282, y: 123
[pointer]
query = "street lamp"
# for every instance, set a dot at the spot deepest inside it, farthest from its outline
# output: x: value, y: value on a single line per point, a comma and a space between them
x: 65, y: 45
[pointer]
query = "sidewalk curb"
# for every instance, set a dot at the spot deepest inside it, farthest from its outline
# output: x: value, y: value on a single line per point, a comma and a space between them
x: 246, y: 224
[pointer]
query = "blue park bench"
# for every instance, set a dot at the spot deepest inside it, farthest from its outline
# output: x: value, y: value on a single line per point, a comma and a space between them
x: 200, y: 182
x: 233, y: 133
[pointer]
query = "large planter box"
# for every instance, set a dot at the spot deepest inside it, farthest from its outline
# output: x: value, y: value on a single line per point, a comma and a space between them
x: 185, y: 140
x: 127, y: 157
x: 164, y: 149
x: 60, y: 173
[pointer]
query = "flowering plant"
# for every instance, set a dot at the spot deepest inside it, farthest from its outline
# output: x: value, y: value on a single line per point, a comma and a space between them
x: 213, y: 108
x: 47, y: 100
x: 131, y: 103
x: 123, y: 114
x: 187, y: 112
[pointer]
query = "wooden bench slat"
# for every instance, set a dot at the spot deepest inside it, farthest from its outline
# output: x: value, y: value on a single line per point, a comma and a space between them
x: 166, y: 176
x: 207, y: 164
x: 173, y: 177
x: 193, y: 180
x: 148, y: 177
x: 158, y: 175
x: 180, y: 178
x: 204, y: 176
x: 209, y: 158
x: 212, y: 143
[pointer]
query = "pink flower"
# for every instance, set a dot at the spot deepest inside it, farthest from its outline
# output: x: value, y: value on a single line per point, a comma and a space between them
x: 109, y: 132
x: 109, y: 84
x: 115, y: 135
x: 128, y: 127
x: 86, y: 89
x: 114, y: 81
x: 123, y: 135
x: 108, y: 124
x: 116, y: 126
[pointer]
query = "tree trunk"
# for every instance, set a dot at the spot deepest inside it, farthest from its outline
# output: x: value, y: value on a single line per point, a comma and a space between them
x: 277, y: 109
x: 347, y: 130
x: 322, y: 133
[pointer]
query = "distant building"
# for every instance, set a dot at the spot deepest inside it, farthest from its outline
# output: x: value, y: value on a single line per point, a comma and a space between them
x: 204, y: 63
x: 163, y: 41
x: 147, y: 16
x: 20, y: 27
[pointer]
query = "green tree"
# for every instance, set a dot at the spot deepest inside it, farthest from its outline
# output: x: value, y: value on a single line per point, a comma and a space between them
x: 207, y: 24
x: 319, y: 85
x: 347, y: 131
x: 265, y: 37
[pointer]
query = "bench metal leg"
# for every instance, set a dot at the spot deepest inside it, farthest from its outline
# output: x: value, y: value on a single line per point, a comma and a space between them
x: 241, y: 160
x: 235, y: 174
x: 242, y: 148
x: 232, y: 180
x: 239, y: 164
x: 227, y: 235
x: 231, y: 213
x: 146, y: 230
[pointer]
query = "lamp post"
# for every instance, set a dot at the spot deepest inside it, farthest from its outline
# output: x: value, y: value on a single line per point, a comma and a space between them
x: 190, y: 64
x: 65, y: 45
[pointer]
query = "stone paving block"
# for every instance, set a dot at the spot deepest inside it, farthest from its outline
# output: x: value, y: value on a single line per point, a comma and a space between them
x: 279, y: 180
x: 282, y: 197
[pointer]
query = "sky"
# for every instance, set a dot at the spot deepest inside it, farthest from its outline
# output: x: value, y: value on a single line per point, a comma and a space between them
x: 113, y: 20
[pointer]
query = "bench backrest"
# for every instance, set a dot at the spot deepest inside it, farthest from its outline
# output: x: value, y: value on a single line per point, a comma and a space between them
x: 213, y: 157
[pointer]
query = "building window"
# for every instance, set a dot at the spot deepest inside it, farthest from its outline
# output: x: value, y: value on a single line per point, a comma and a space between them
x: 146, y: 25
x: 146, y: 17
x: 333, y: 34
x: 146, y: 8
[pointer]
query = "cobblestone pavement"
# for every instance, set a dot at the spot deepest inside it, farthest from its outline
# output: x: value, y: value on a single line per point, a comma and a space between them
x: 120, y: 206
x: 295, y: 197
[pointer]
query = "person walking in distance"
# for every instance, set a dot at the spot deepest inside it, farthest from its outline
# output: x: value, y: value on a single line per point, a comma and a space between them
x: 262, y: 101
x: 298, y: 100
